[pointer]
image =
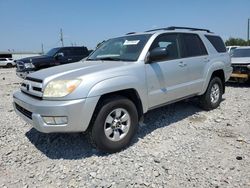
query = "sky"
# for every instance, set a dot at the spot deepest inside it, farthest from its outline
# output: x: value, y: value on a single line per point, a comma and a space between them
x: 27, y: 24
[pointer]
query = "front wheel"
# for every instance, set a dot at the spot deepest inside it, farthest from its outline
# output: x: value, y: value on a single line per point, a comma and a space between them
x: 115, y: 124
x: 213, y: 96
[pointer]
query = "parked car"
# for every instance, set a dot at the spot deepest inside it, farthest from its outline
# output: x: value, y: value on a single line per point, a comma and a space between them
x: 241, y: 64
x: 7, y: 62
x: 123, y: 79
x: 230, y: 49
x: 56, y: 56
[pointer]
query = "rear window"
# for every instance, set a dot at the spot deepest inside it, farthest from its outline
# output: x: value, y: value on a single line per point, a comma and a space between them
x: 193, y: 46
x: 217, y: 42
x: 241, y: 53
x: 79, y: 52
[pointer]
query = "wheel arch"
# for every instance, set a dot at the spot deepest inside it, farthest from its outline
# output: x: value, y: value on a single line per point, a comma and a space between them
x: 211, y: 73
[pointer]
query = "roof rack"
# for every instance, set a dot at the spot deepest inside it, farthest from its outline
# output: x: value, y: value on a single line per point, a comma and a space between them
x: 174, y: 27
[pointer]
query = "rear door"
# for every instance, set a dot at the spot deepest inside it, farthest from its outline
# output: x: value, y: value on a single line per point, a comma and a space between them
x: 195, y: 56
x: 166, y: 79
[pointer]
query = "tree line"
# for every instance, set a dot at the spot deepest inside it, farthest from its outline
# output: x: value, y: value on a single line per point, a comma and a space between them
x: 237, y: 42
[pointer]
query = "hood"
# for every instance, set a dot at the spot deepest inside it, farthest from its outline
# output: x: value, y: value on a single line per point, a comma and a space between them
x: 35, y: 59
x: 240, y: 60
x: 79, y: 69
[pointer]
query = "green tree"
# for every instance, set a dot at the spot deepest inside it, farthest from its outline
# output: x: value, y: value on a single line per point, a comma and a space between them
x: 236, y: 42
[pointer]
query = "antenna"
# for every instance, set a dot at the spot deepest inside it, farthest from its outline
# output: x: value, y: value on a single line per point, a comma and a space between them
x: 42, y: 49
x: 61, y: 37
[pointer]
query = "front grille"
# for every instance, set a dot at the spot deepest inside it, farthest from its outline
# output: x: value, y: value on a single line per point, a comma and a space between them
x: 34, y: 79
x: 25, y: 112
x: 34, y: 97
x: 20, y: 65
x: 240, y: 68
x: 32, y: 87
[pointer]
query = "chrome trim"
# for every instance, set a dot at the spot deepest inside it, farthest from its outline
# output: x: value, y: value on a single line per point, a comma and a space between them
x: 20, y: 65
x: 27, y: 87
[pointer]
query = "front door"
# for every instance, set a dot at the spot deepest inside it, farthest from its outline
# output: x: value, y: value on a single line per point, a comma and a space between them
x: 167, y: 78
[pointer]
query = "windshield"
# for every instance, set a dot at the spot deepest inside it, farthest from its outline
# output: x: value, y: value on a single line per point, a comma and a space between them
x: 52, y: 52
x: 241, y: 53
x: 126, y: 48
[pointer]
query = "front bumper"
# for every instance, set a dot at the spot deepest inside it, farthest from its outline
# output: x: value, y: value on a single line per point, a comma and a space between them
x: 241, y: 71
x: 78, y: 112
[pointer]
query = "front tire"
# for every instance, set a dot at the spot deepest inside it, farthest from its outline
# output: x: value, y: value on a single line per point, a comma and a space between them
x: 212, y: 98
x: 115, y: 124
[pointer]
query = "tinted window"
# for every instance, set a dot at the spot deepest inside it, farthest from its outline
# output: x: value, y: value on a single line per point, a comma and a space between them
x: 218, y: 43
x: 52, y: 52
x: 170, y: 42
x: 241, y: 53
x: 79, y: 52
x: 2, y: 59
x: 193, y: 45
x: 66, y: 52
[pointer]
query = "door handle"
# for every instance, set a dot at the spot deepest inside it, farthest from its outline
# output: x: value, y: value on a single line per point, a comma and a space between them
x: 206, y: 60
x: 69, y: 59
x: 182, y: 64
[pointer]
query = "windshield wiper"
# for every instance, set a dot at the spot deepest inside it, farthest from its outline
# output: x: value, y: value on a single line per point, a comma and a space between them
x: 109, y: 59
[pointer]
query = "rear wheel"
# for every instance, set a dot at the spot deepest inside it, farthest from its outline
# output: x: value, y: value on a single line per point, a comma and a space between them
x: 115, y: 124
x: 213, y: 96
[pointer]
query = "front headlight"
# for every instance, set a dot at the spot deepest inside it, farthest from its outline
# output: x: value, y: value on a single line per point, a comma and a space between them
x: 61, y: 88
x: 248, y: 66
x: 29, y: 65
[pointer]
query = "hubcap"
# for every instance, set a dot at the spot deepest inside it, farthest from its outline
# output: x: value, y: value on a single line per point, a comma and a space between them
x: 117, y: 124
x: 215, y: 93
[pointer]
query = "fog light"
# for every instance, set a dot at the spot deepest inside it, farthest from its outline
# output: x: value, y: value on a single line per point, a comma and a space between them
x: 248, y: 66
x: 61, y: 120
x: 50, y: 120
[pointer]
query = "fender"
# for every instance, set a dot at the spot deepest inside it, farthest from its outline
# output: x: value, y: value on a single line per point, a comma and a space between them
x: 121, y: 83
x: 219, y: 65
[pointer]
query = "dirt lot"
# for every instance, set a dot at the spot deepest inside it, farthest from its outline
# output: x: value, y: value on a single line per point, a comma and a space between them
x: 177, y: 146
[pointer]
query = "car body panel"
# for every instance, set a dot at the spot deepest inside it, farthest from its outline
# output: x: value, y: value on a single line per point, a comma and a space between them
x: 155, y: 83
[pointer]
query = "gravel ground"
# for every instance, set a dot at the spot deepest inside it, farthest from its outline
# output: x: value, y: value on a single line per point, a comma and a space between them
x: 177, y: 146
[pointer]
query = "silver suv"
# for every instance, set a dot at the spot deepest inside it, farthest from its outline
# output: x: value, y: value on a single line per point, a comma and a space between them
x: 107, y: 94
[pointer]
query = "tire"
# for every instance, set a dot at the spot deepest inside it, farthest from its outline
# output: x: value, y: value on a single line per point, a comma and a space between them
x: 9, y: 65
x: 111, y: 122
x: 209, y: 100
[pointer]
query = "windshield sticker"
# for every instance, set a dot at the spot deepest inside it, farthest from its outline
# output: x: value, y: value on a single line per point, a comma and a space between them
x: 131, y: 42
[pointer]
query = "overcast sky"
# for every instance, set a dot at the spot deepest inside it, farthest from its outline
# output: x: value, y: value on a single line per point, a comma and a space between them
x: 26, y: 24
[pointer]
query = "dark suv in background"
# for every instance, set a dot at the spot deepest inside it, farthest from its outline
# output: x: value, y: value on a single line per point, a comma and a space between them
x: 56, y: 56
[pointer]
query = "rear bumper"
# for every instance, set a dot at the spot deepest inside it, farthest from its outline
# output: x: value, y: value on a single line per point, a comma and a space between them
x: 228, y: 73
x: 78, y: 112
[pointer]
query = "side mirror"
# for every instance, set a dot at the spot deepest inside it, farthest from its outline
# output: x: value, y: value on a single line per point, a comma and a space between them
x: 157, y: 54
x: 59, y: 55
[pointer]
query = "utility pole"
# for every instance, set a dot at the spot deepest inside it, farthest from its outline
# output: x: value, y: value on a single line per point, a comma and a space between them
x: 61, y: 37
x: 248, y: 25
x: 42, y: 49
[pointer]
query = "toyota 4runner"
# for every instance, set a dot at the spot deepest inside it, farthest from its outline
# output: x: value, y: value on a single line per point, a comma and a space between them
x: 123, y: 79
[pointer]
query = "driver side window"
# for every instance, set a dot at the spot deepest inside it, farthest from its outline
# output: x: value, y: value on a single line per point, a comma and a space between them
x: 170, y: 42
